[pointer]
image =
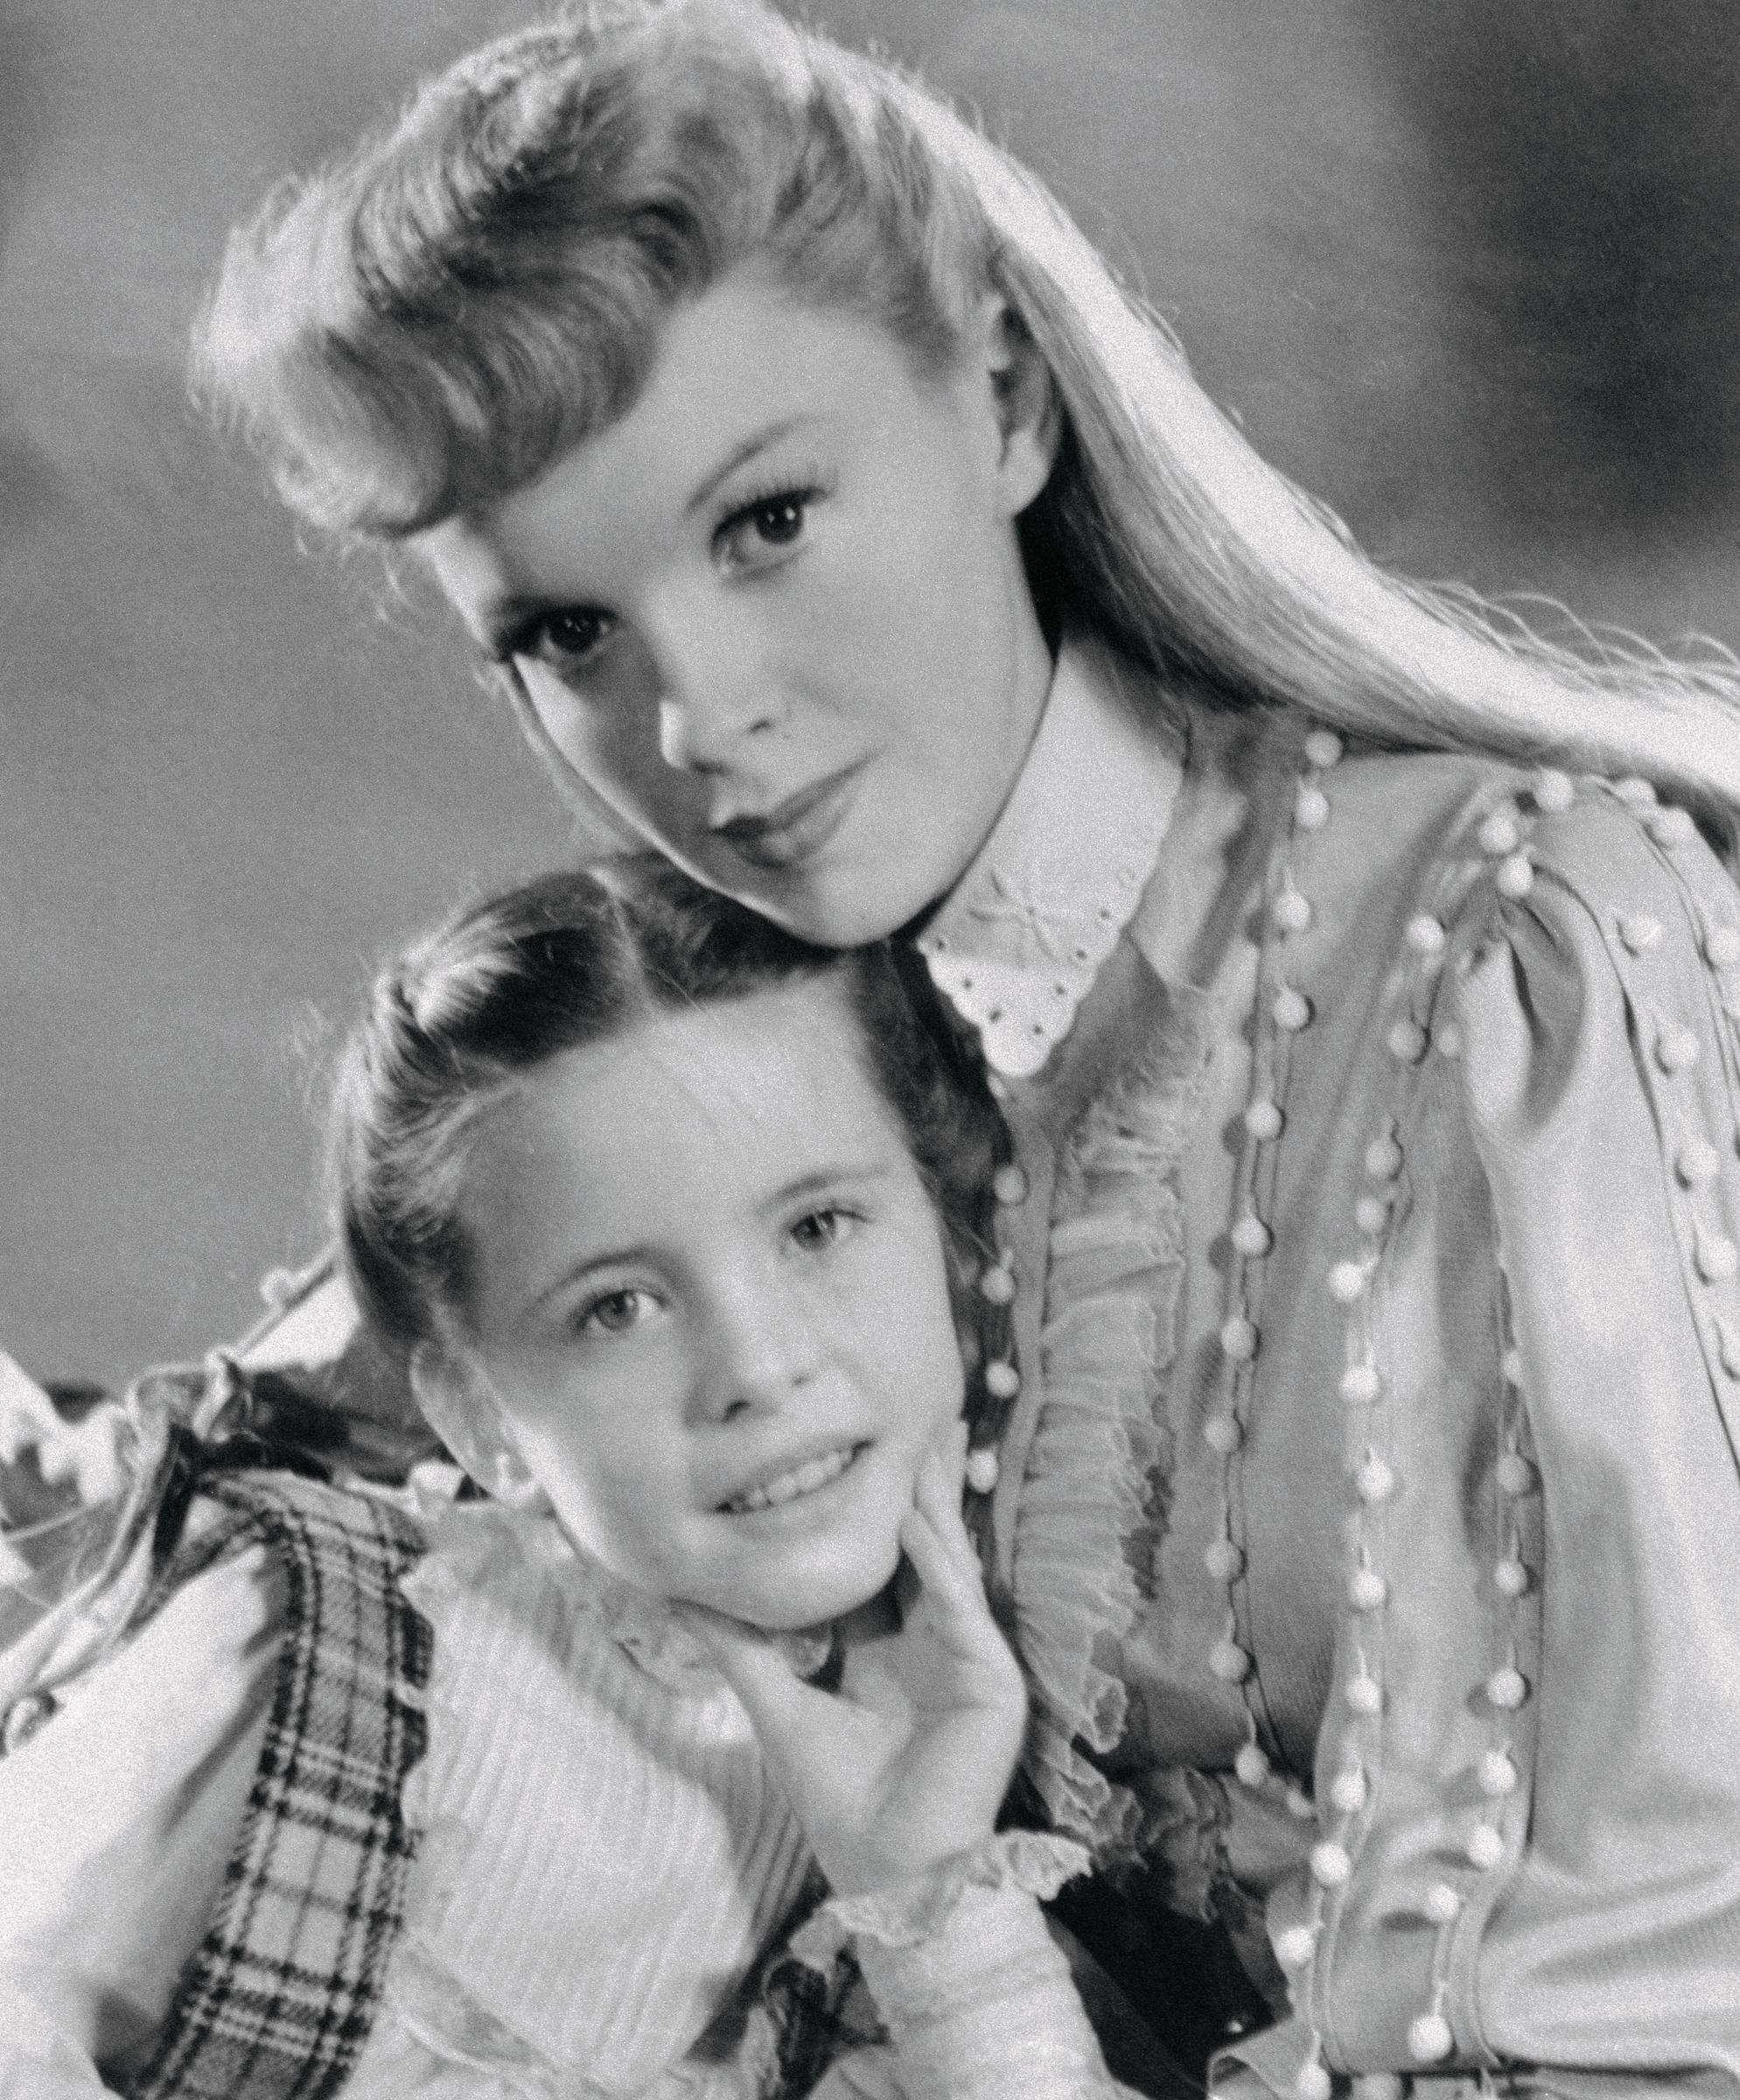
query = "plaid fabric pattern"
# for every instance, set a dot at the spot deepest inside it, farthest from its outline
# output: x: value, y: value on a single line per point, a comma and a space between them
x: 279, y: 2000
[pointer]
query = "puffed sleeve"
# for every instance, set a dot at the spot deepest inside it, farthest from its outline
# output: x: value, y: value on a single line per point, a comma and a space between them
x: 1599, y: 1013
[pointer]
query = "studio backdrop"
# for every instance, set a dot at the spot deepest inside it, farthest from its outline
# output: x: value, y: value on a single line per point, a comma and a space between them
x: 1470, y: 271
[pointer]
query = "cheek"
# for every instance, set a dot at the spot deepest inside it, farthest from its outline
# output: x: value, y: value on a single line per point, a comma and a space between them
x: 614, y: 749
x: 931, y: 1362
x: 597, y: 1481
x: 582, y: 734
x: 626, y: 1516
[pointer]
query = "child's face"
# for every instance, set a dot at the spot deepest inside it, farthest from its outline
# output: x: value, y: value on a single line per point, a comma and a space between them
x: 711, y: 1304
x: 776, y: 615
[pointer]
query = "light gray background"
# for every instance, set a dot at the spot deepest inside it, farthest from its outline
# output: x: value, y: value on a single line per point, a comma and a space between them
x: 1468, y: 268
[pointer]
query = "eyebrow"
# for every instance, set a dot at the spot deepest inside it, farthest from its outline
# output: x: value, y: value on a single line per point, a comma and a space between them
x: 740, y: 455
x: 827, y: 1178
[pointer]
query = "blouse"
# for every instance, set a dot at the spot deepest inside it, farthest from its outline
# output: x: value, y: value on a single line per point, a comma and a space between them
x: 1369, y: 1511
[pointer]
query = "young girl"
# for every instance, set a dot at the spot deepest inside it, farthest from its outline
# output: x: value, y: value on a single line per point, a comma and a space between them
x: 1368, y: 1515
x: 671, y: 1213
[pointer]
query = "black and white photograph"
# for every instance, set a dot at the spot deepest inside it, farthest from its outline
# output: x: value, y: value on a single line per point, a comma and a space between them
x: 870, y: 1029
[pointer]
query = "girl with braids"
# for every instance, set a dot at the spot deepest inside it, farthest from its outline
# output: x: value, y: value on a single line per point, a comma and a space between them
x: 673, y: 1215
x: 1360, y: 974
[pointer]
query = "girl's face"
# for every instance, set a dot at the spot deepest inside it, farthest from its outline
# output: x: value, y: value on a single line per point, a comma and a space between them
x: 710, y: 1307
x: 776, y: 615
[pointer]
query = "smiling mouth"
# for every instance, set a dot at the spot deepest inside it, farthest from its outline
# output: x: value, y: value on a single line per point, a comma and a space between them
x: 807, y: 1478
x: 795, y: 828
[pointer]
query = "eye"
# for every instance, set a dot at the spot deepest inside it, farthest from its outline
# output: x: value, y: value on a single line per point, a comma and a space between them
x: 615, y: 1311
x: 757, y: 533
x: 565, y: 640
x: 821, y: 1229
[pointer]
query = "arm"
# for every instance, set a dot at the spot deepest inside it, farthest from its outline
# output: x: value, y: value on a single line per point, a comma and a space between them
x: 976, y: 1994
x: 39, y: 2059
x: 1527, y: 1800
x: 1603, y: 1093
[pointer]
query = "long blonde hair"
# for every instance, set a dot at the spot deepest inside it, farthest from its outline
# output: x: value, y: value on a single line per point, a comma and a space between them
x: 431, y: 322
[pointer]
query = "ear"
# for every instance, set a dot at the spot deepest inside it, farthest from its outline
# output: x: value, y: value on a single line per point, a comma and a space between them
x: 460, y: 1405
x: 1029, y: 416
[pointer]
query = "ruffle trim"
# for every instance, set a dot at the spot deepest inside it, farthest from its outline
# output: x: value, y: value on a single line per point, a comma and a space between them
x: 1094, y: 1483
x: 910, y: 1912
x: 484, y: 1546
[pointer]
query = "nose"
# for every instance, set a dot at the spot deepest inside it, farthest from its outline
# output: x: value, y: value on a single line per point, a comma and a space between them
x: 714, y: 694
x: 764, y: 1351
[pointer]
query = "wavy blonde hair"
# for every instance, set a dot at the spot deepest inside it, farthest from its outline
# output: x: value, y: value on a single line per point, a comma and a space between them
x: 429, y: 323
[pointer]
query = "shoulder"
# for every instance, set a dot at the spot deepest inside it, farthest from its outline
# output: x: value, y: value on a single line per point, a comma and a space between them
x: 1599, y: 886
x: 1478, y: 840
x: 1578, y: 941
x: 1573, y: 938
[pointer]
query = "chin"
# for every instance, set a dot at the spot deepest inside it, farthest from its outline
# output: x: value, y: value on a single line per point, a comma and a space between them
x: 820, y: 1597
x: 850, y: 918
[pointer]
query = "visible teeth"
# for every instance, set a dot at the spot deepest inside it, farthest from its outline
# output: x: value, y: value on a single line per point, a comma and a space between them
x: 802, y: 1480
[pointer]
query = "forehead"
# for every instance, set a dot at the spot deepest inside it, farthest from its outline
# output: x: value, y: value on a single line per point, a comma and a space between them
x: 737, y: 370
x: 691, y: 1113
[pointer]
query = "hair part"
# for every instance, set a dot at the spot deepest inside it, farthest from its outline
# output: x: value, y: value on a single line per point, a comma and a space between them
x: 479, y: 1006
x: 429, y: 324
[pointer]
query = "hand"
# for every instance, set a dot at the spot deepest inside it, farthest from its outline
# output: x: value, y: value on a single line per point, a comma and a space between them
x: 908, y: 1762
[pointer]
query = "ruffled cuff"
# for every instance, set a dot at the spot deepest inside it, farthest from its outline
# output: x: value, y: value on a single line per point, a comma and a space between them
x: 1033, y: 1862
x: 977, y: 1996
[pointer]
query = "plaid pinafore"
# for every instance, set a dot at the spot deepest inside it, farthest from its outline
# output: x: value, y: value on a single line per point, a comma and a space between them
x: 278, y: 2001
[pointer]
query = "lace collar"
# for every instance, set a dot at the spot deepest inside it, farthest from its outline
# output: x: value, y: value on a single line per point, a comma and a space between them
x: 1017, y: 944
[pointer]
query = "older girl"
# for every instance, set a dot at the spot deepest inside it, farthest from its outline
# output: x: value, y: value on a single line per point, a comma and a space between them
x: 1360, y: 972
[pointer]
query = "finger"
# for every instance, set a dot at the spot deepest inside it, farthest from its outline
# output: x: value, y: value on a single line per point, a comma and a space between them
x: 955, y: 1593
x: 947, y: 1451
x: 938, y: 1492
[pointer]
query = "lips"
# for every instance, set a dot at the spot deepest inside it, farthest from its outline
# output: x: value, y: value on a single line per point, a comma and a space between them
x: 791, y: 830
x: 792, y: 1481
